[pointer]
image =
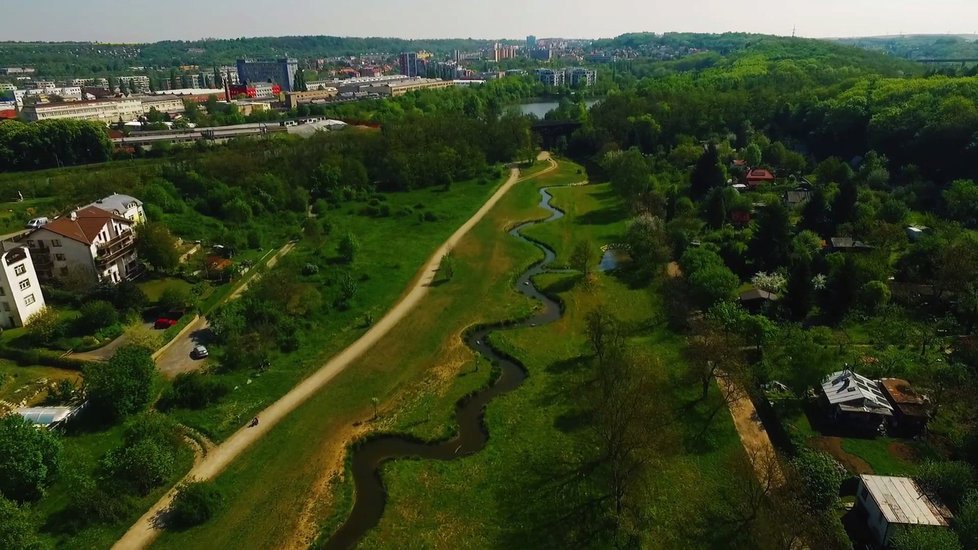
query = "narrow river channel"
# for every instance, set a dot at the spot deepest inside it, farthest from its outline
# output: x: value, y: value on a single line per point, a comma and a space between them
x: 472, y: 434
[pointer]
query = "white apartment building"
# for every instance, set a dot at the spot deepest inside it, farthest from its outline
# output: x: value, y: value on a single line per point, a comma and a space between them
x: 5, y: 87
x: 107, y: 111
x: 89, y: 242
x: 550, y: 77
x: 20, y: 291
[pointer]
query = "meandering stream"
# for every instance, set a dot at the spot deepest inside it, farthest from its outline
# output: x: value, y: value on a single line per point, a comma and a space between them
x: 469, y: 412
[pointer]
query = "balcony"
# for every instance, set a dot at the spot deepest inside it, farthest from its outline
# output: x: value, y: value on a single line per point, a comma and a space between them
x: 114, y: 249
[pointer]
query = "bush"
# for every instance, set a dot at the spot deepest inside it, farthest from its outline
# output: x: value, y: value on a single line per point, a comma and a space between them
x: 195, y: 391
x: 950, y: 481
x: 98, y: 314
x: 822, y: 477
x: 147, y: 457
x: 175, y: 298
x: 195, y: 503
x: 122, y: 386
x: 17, y: 527
x: 917, y: 537
x: 310, y: 269
x: 45, y: 326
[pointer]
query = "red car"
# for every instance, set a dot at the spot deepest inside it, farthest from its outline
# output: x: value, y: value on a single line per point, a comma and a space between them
x: 164, y: 323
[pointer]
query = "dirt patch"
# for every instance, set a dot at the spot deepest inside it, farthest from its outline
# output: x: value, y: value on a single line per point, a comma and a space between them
x: 904, y: 452
x: 756, y: 441
x: 673, y: 271
x: 833, y: 446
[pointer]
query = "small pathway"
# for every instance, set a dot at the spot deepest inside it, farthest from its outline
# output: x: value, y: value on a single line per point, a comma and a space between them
x: 752, y: 434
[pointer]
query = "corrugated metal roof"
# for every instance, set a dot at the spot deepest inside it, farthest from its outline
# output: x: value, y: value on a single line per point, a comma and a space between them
x: 902, y: 502
x: 855, y: 392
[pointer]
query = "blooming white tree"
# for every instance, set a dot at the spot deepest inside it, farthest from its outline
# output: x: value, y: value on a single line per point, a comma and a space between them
x: 770, y: 282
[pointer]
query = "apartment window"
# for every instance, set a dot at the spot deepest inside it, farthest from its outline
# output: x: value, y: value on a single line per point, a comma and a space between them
x: 25, y: 284
x: 20, y: 269
x: 59, y: 257
x: 6, y: 306
x: 29, y: 300
x: 56, y: 242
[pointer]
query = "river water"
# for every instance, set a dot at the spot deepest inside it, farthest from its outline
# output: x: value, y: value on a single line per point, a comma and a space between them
x: 541, y: 108
x: 368, y: 457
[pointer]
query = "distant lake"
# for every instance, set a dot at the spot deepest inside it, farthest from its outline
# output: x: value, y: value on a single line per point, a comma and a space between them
x: 541, y: 108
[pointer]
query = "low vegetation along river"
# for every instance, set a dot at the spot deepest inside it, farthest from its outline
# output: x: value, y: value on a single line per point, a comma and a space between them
x: 469, y: 412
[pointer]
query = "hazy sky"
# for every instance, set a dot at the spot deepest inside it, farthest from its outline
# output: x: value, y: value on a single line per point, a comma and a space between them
x: 151, y: 20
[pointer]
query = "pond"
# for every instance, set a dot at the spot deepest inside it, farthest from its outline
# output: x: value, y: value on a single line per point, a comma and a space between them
x: 541, y: 108
x: 611, y: 259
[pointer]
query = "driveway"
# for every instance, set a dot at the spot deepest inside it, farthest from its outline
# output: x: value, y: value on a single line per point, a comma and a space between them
x: 105, y: 352
x: 176, y: 358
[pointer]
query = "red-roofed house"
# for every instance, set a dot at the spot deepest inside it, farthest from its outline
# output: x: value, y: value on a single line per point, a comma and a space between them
x: 87, y: 243
x: 759, y: 176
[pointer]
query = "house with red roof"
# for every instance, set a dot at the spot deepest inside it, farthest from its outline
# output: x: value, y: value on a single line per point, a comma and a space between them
x: 759, y: 176
x: 89, y: 243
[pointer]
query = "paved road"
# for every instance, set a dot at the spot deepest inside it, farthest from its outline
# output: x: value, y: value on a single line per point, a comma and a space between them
x: 105, y: 352
x: 147, y: 528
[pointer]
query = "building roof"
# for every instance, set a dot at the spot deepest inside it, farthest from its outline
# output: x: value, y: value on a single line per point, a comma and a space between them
x: 906, y: 399
x: 758, y: 294
x: 116, y: 203
x: 86, y: 225
x: 852, y: 392
x: 46, y: 416
x: 847, y: 242
x: 902, y: 502
x: 760, y: 174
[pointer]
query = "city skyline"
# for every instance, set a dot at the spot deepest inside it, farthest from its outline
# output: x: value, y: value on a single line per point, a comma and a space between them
x: 104, y: 21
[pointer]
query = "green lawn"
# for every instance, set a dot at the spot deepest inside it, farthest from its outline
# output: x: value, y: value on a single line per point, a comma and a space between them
x: 155, y: 287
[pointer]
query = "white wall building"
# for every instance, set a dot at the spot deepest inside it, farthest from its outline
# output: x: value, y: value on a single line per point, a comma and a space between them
x: 107, y: 111
x: 87, y: 243
x: 20, y: 291
x: 169, y: 104
x: 892, y: 503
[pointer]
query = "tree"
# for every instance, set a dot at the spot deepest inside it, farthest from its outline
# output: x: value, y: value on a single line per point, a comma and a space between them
x: 844, y: 205
x: 582, y: 258
x: 157, y: 246
x: 605, y: 334
x: 99, y: 314
x: 44, y: 326
x: 348, y: 247
x: 800, y: 290
x: 29, y: 458
x: 195, y: 503
x: 707, y: 174
x: 815, y: 214
x: 122, y: 386
x: 128, y: 297
x: 962, y: 202
x: 771, y: 245
x: 822, y: 477
x: 752, y: 155
x: 629, y: 173
x: 147, y: 456
x: 17, y: 527
x: 712, y: 284
x: 648, y: 245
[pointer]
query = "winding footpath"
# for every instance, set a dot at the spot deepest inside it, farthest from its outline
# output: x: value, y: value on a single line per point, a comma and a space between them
x: 149, y: 526
x: 369, y: 457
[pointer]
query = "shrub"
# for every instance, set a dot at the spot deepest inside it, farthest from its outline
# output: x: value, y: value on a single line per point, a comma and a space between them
x: 822, y: 477
x: 122, y: 386
x: 195, y: 391
x: 310, y: 269
x: 29, y: 458
x: 949, y: 480
x: 175, y: 298
x: 45, y: 326
x: 195, y: 503
x: 98, y: 314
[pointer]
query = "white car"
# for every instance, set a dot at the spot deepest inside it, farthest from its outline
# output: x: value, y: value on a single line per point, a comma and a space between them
x: 36, y: 222
x: 199, y: 352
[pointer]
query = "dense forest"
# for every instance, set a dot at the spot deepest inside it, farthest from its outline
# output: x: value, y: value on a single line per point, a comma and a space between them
x: 920, y: 46
x: 856, y: 147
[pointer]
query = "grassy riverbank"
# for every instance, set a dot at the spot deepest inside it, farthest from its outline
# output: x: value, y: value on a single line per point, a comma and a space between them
x: 503, y: 496
x: 418, y: 373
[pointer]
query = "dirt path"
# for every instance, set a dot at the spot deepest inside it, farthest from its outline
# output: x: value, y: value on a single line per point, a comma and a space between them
x: 752, y: 434
x: 147, y: 528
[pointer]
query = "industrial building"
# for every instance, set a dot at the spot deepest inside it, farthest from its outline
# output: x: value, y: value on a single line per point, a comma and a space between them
x: 108, y: 111
x: 280, y: 71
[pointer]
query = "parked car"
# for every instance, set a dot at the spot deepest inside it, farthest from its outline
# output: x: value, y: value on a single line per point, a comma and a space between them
x: 199, y: 352
x: 36, y: 222
x: 164, y: 322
